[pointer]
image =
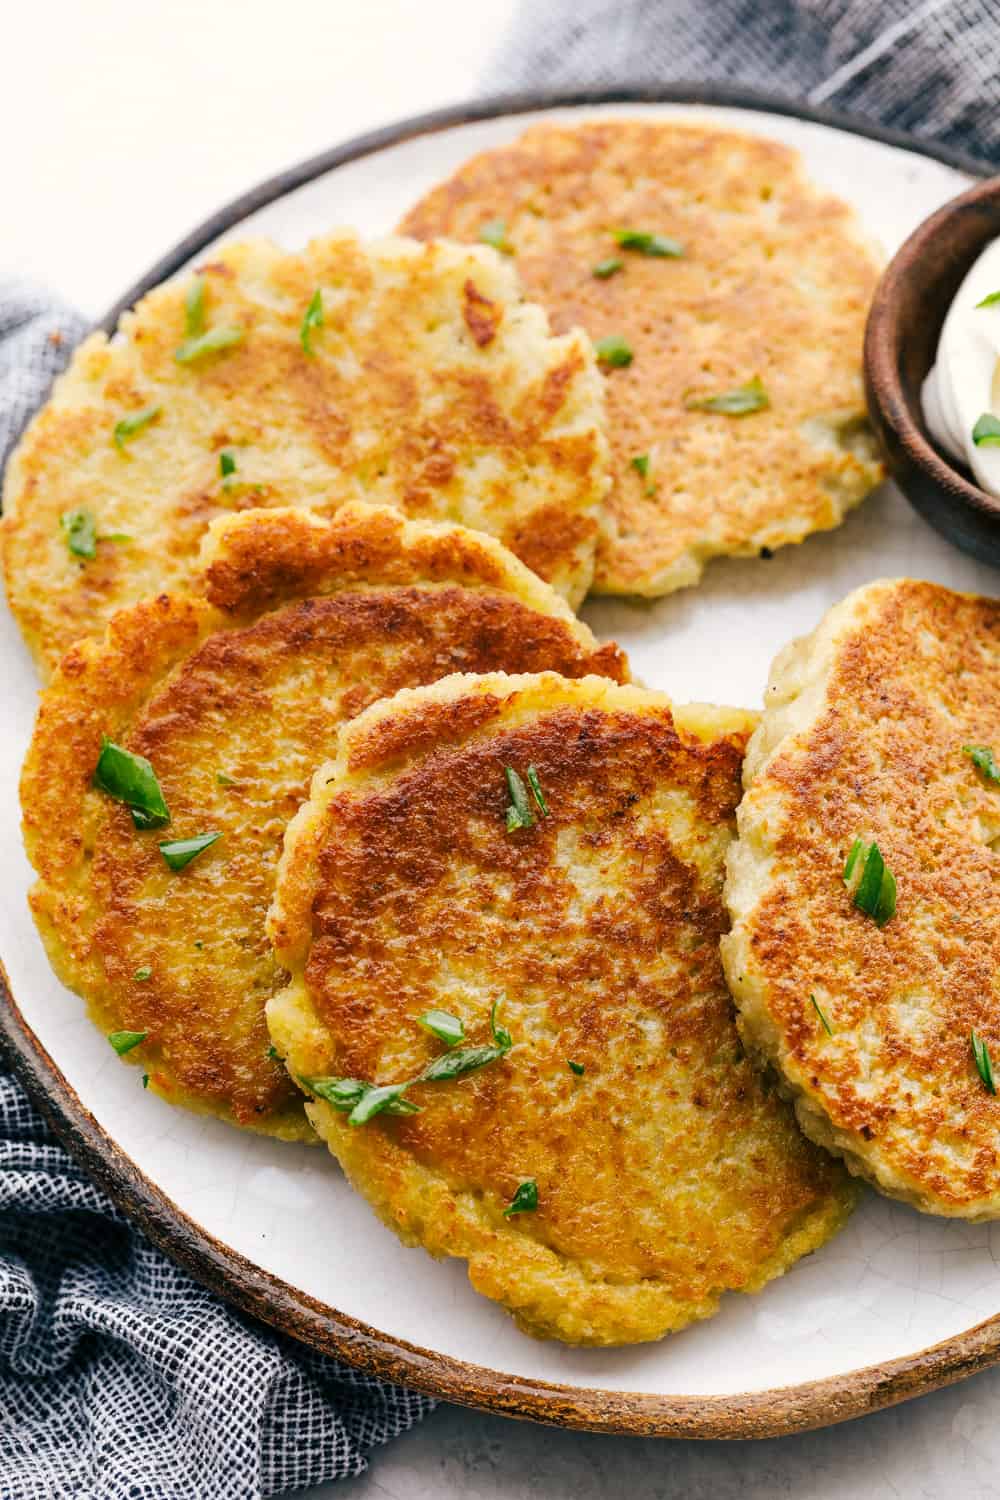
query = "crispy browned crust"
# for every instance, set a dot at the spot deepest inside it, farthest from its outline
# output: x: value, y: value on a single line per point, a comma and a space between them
x: 304, y: 622
x: 863, y: 736
x: 431, y: 386
x: 775, y: 283
x: 667, y: 1174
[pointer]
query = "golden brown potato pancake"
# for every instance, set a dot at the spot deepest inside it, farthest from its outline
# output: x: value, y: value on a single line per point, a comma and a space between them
x: 665, y: 1172
x: 233, y: 692
x: 428, y: 384
x: 756, y: 275
x: 880, y: 726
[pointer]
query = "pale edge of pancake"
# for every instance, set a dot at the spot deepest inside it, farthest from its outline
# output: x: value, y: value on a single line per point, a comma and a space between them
x: 796, y: 697
x: 410, y: 1199
x: 101, y: 686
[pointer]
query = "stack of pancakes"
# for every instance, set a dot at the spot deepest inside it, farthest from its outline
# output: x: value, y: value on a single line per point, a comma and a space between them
x: 346, y: 826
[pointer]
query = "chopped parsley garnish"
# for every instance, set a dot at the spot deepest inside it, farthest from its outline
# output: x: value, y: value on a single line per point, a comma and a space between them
x: 981, y: 1057
x: 273, y: 1053
x: 141, y: 975
x: 825, y: 1023
x: 649, y: 244
x: 607, y: 267
x: 80, y: 531
x: 519, y: 814
x: 494, y: 232
x: 311, y: 318
x: 524, y: 1201
x: 575, y: 1067
x: 181, y: 852
x: 738, y: 403
x: 874, y: 892
x: 145, y: 1080
x: 984, y: 760
x: 614, y: 351
x: 131, y: 779
x: 194, y: 308
x: 223, y: 779
x: 989, y: 299
x: 129, y: 426
x: 537, y: 793
x: 986, y: 433
x: 227, y: 463
x: 212, y: 342
x: 447, y: 1028
x: 124, y: 1041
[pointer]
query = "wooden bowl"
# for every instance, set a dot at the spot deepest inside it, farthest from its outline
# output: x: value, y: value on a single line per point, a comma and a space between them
x: 908, y: 310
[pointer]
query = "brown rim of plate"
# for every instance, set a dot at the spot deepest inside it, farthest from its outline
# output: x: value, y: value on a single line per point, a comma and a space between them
x: 751, y: 1414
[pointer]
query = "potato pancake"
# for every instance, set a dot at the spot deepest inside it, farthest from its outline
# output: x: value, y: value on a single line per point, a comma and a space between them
x: 728, y: 296
x: 391, y: 372
x: 865, y: 891
x: 233, y: 693
x: 509, y: 889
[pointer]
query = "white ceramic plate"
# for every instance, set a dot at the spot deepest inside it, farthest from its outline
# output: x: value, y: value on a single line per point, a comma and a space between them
x: 277, y: 1228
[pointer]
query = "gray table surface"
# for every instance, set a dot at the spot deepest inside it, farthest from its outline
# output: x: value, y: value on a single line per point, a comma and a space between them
x: 943, y: 1445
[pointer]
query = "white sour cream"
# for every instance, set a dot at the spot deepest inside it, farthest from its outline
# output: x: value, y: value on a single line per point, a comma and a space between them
x: 965, y: 380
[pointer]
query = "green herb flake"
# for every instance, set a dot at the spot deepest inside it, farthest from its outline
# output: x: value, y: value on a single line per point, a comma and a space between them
x: 273, y: 1053
x: 524, y: 1201
x: 124, y: 1041
x: 374, y: 1101
x: 447, y: 1028
x: 312, y: 318
x: 642, y: 464
x: 459, y: 1061
x: 80, y: 531
x: 194, y: 308
x: 874, y: 892
x: 180, y: 852
x: 224, y: 780
x: 345, y: 1094
x: 981, y: 1057
x: 989, y: 299
x: 494, y: 232
x: 575, y: 1067
x: 986, y: 433
x: 141, y: 975
x: 128, y: 427
x: 519, y: 814
x: 824, y: 1022
x: 737, y: 403
x: 614, y: 351
x: 145, y: 1080
x: 227, y: 463
x: 501, y: 1035
x: 607, y: 267
x: 856, y: 850
x: 984, y: 760
x: 131, y: 779
x: 212, y: 342
x: 537, y: 793
x: 660, y: 245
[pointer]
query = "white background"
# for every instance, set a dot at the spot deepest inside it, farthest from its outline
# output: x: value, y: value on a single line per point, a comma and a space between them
x: 123, y: 125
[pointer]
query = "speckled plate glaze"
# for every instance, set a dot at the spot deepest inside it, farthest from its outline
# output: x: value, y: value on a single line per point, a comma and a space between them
x: 897, y: 1305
